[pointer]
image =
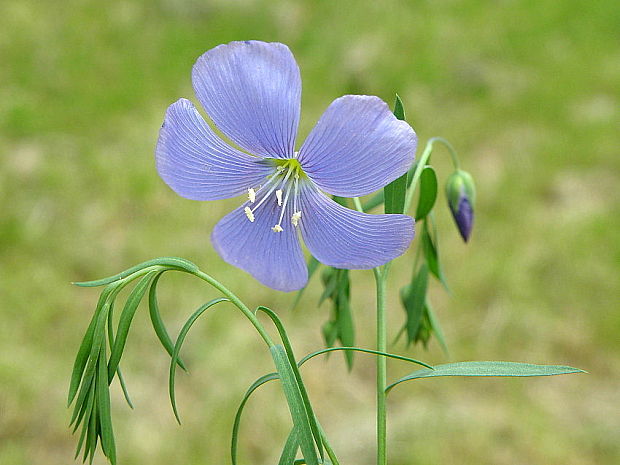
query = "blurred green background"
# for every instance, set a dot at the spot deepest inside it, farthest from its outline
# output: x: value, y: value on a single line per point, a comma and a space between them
x: 528, y: 93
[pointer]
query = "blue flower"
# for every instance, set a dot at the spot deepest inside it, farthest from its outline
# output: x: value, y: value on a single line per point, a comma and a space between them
x: 252, y: 93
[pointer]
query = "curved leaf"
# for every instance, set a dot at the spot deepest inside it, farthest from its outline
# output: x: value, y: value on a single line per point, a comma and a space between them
x: 172, y: 262
x: 311, y: 418
x: 158, y: 323
x: 295, y: 401
x: 177, y: 348
x: 235, y: 433
x: 129, y: 310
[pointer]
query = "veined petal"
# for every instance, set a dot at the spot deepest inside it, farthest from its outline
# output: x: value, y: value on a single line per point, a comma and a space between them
x: 344, y: 238
x: 273, y: 258
x: 252, y: 92
x: 197, y: 164
x: 357, y: 147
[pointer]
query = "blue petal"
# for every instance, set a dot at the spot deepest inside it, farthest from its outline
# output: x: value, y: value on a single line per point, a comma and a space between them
x: 197, y: 164
x: 273, y: 258
x: 252, y: 92
x: 344, y: 238
x: 357, y: 147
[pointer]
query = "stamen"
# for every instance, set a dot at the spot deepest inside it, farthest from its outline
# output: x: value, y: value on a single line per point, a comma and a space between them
x: 277, y: 228
x: 295, y: 218
x: 279, y: 197
x: 251, y: 195
x: 249, y: 214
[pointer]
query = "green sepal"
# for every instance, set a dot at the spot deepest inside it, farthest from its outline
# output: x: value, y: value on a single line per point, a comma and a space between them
x: 428, y: 192
x: 509, y: 369
x: 460, y: 183
x: 396, y: 191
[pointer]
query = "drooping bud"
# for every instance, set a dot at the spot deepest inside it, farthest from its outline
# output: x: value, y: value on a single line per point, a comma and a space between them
x: 461, y: 194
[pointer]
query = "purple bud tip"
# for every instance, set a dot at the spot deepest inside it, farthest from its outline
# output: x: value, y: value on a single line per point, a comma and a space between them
x: 464, y: 217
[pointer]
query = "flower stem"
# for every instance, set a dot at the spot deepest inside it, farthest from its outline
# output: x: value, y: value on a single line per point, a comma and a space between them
x: 380, y: 279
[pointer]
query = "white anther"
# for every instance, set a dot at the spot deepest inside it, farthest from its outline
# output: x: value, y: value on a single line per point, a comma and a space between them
x: 251, y: 195
x: 249, y: 214
x: 295, y: 218
x: 277, y: 228
x: 279, y: 197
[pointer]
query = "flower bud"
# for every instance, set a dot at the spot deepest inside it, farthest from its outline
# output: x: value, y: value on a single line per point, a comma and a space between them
x: 461, y: 195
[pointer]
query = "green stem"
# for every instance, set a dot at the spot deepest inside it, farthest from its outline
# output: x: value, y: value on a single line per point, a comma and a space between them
x: 380, y: 279
x: 239, y: 304
x: 422, y: 163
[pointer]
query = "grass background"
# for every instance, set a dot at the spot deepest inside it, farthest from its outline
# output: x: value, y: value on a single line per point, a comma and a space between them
x: 526, y: 90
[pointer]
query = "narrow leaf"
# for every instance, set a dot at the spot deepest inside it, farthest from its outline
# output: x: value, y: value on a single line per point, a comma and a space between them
x: 158, y: 323
x: 172, y: 262
x: 235, y: 432
x: 103, y: 404
x: 429, y: 247
x: 124, y: 322
x: 177, y: 348
x: 365, y: 351
x: 510, y: 369
x: 413, y: 297
x: 437, y: 330
x: 295, y: 403
x: 299, y: 381
x: 344, y: 318
x: 428, y: 192
x: 289, y: 452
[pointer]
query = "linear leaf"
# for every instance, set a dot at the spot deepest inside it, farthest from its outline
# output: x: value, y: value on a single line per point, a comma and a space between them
x: 295, y: 403
x: 510, y: 369
x: 437, y: 330
x: 124, y: 322
x: 158, y: 323
x: 413, y: 297
x: 431, y: 254
x: 172, y: 262
x: 103, y: 403
x: 299, y: 381
x: 85, y: 349
x: 91, y: 366
x: 366, y: 351
x: 179, y: 343
x: 289, y: 452
x: 235, y: 432
x: 344, y: 317
x: 428, y: 192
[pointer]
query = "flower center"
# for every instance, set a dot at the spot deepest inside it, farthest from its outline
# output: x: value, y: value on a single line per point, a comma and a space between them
x: 285, y: 179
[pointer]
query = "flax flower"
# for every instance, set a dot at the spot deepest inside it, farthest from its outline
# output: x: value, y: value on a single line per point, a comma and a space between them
x: 252, y: 93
